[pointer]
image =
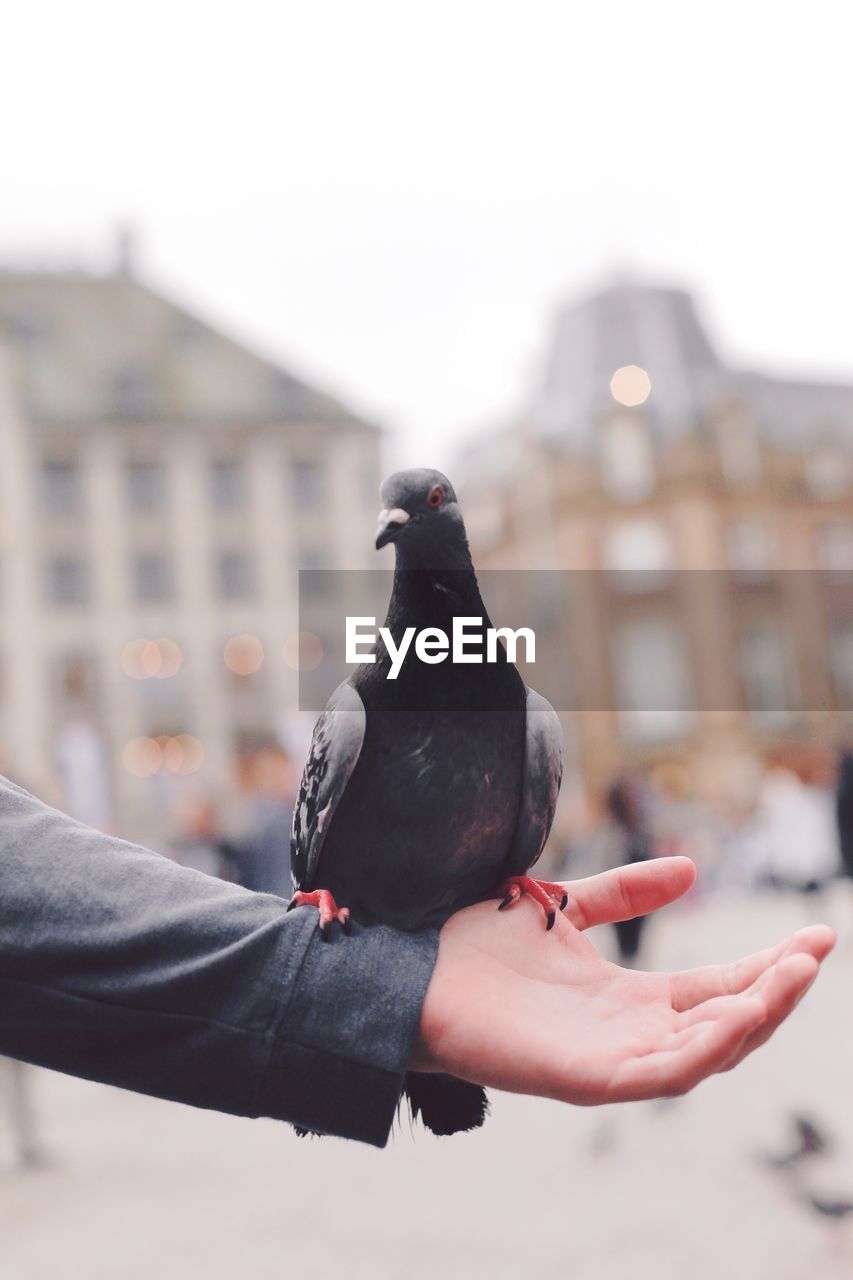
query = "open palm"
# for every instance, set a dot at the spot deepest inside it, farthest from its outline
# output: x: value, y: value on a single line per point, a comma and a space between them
x: 513, y: 1006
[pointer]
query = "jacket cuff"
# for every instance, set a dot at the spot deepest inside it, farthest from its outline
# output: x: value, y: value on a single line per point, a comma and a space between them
x: 347, y: 1030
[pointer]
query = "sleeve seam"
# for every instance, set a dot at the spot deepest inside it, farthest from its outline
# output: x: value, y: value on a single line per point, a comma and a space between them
x: 273, y: 1033
x: 268, y: 1037
x: 146, y: 1010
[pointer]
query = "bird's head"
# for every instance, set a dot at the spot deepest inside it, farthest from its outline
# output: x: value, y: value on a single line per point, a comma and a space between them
x: 420, y: 513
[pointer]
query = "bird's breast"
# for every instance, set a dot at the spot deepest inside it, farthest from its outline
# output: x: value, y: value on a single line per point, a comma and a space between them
x: 428, y: 818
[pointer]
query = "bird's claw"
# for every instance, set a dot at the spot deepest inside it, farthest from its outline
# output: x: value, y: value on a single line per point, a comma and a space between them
x: 547, y: 894
x: 328, y: 910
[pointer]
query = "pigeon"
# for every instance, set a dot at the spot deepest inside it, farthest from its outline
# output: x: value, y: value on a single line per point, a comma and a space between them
x: 829, y: 1208
x: 429, y: 792
x: 811, y: 1141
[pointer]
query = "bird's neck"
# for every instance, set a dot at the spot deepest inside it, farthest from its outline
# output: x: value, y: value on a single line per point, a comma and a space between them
x: 424, y: 595
x: 449, y: 555
x: 427, y: 597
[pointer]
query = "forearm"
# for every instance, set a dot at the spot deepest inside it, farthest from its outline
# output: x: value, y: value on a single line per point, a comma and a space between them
x: 117, y: 965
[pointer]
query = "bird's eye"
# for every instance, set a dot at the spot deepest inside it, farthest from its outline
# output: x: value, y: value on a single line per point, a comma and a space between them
x: 435, y: 497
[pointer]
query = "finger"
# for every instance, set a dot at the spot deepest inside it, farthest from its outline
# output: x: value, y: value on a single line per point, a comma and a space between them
x: 815, y: 940
x: 763, y: 986
x: 792, y: 979
x: 694, y: 986
x: 629, y: 891
x: 670, y: 1072
x: 776, y: 988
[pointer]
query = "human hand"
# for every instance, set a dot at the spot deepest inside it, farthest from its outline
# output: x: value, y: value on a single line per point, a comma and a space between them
x: 515, y: 1007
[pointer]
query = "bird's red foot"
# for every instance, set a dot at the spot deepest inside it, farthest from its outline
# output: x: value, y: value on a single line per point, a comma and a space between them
x: 551, y: 897
x: 326, y: 906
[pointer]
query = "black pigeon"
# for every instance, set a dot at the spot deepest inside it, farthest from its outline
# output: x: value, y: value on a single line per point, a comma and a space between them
x: 811, y: 1141
x: 829, y: 1208
x: 427, y: 793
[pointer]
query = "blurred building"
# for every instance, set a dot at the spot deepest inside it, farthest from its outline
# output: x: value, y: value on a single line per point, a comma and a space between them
x: 160, y: 486
x: 707, y: 513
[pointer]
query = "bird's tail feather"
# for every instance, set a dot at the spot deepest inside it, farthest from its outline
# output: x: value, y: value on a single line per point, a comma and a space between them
x: 445, y: 1105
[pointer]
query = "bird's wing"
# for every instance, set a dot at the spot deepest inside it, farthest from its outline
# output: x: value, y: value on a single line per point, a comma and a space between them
x: 335, y: 748
x: 543, y: 772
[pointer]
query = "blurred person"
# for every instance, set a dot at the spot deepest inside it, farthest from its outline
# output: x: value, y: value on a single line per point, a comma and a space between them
x: 844, y: 811
x: 629, y: 842
x: 120, y: 966
x: 797, y: 828
x: 16, y: 1100
x: 201, y: 844
x: 261, y: 856
x: 744, y: 862
x: 680, y: 822
x: 83, y: 773
x: 844, y: 825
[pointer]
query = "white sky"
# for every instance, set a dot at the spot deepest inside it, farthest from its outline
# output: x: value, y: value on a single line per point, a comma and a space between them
x: 393, y: 197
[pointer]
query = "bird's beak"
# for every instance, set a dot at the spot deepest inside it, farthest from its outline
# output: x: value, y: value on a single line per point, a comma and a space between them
x: 390, y: 524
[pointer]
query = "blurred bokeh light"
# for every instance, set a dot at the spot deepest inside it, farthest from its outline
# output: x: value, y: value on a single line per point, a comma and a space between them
x: 630, y: 385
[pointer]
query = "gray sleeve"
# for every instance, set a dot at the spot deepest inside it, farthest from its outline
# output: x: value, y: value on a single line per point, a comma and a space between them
x: 118, y: 965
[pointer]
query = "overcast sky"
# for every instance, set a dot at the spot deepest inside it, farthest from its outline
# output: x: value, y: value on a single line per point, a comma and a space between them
x: 392, y: 198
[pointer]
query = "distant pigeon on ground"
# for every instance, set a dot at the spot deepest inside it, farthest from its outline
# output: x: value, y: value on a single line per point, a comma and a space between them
x: 829, y: 1208
x: 813, y: 1141
x: 810, y: 1141
x: 435, y: 790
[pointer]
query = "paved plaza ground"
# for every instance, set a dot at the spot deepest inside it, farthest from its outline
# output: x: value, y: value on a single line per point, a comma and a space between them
x: 138, y: 1189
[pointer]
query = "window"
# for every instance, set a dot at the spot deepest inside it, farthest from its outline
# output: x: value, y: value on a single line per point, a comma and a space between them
x: 152, y: 577
x: 68, y: 580
x: 227, y: 484
x: 835, y: 548
x: 312, y: 560
x: 637, y: 554
x: 235, y: 575
x: 740, y: 454
x: 308, y: 482
x: 146, y: 486
x: 652, y: 679
x: 765, y: 669
x: 827, y: 472
x: 313, y: 557
x: 841, y: 664
x: 369, y: 480
x: 749, y: 547
x: 133, y: 392
x: 61, y: 487
x: 627, y: 462
x: 164, y: 701
x: 26, y: 327
x: 637, y: 544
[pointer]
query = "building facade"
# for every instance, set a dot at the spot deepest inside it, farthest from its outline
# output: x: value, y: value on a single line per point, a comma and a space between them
x: 701, y: 518
x: 160, y: 487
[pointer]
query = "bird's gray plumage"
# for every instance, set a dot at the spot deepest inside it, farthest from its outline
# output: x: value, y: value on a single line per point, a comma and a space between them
x: 335, y: 748
x: 540, y: 785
